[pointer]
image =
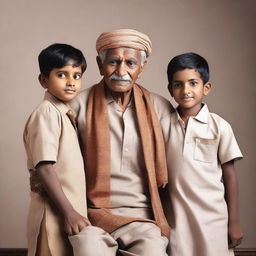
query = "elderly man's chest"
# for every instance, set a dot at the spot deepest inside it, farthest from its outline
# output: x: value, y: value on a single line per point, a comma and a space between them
x: 125, y: 142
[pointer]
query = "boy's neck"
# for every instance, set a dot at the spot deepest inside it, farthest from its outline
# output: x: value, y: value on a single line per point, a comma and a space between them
x: 185, y: 113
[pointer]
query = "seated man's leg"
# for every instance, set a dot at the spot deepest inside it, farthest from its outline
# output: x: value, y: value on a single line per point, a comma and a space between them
x: 93, y: 241
x: 140, y: 239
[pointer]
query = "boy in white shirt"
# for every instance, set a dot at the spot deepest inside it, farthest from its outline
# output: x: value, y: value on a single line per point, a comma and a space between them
x: 201, y: 150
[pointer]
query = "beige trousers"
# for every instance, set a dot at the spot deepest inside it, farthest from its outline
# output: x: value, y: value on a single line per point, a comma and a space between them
x: 134, y: 239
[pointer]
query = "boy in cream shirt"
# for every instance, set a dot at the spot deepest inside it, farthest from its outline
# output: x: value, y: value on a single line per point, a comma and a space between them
x: 54, y: 155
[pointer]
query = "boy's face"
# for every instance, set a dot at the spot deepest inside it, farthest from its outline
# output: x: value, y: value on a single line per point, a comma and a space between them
x: 63, y: 83
x: 187, y: 89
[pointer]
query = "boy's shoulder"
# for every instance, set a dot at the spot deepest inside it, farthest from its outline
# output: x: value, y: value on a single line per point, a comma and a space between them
x: 216, y: 119
x: 45, y: 112
x: 45, y: 107
x: 51, y: 105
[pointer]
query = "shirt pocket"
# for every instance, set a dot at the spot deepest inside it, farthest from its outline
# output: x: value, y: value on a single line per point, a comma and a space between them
x: 205, y: 150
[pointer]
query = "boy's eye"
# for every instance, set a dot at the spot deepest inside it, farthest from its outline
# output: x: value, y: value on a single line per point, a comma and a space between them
x: 194, y: 83
x: 77, y: 76
x: 61, y: 75
x: 177, y: 85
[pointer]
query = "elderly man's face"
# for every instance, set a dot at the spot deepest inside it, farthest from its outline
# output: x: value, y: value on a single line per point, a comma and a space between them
x: 121, y: 68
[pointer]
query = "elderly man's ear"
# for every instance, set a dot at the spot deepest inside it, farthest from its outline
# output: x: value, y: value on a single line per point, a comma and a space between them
x: 99, y: 62
x: 144, y: 65
x: 142, y: 68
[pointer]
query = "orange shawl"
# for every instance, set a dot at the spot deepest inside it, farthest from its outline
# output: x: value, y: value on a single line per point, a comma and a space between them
x: 97, y: 158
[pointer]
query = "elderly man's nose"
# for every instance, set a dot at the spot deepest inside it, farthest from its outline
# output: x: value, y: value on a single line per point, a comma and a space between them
x: 121, y: 70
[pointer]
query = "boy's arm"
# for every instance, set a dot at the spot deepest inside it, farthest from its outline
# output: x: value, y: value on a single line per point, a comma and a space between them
x: 73, y: 221
x: 231, y: 195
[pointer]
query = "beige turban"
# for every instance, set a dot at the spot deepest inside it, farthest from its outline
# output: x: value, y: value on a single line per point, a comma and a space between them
x: 124, y: 38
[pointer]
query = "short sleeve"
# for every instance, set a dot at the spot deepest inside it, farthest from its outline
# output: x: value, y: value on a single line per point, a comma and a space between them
x: 228, y: 147
x: 42, y: 135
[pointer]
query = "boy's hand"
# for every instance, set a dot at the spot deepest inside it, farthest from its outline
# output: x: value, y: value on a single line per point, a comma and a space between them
x: 235, y: 236
x: 74, y: 222
x: 163, y: 185
x: 35, y: 184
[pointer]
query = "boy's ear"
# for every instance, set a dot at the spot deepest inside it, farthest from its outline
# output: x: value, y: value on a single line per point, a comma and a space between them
x: 98, y: 59
x: 170, y: 89
x: 207, y: 88
x: 43, y: 81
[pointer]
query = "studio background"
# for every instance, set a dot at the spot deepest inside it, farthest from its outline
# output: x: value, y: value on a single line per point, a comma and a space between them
x: 223, y: 31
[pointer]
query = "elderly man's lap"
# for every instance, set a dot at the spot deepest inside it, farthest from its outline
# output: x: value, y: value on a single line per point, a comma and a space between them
x: 141, y: 238
x: 134, y: 239
x: 93, y: 241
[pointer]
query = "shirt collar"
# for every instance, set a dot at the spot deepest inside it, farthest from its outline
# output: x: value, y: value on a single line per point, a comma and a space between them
x: 202, y: 115
x: 177, y: 116
x: 110, y: 99
x: 61, y: 106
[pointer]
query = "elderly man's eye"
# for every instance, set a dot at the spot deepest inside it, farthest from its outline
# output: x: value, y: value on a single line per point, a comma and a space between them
x: 112, y: 61
x: 194, y: 83
x: 131, y: 63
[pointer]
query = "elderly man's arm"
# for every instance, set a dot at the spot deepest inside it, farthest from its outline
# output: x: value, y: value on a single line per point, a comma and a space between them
x: 162, y: 106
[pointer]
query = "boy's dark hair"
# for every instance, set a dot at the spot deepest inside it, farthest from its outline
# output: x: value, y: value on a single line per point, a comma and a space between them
x: 58, y: 56
x: 188, y: 60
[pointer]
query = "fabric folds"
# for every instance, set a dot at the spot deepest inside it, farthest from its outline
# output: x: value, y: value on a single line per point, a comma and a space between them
x: 97, y: 158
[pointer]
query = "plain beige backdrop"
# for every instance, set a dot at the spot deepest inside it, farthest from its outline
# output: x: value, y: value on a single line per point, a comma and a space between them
x: 223, y: 31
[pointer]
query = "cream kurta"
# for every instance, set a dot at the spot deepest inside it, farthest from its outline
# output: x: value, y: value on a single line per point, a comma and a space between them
x: 50, y: 136
x: 198, y: 215
x: 129, y: 193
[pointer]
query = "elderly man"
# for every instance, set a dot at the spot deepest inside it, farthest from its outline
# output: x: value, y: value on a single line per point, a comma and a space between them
x: 123, y: 149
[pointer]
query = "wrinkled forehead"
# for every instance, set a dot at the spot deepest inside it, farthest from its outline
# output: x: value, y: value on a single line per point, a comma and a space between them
x: 123, y: 51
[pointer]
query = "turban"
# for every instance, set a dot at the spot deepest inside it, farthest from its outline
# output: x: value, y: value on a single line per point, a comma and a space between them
x: 124, y: 38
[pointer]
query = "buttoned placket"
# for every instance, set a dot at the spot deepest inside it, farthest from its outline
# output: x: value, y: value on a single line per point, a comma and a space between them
x: 127, y: 139
x: 186, y: 134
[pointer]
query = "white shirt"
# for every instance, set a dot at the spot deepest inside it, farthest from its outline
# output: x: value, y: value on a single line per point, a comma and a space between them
x: 198, y: 215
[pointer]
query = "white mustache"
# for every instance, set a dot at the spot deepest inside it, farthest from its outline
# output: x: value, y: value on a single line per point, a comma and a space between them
x: 121, y: 78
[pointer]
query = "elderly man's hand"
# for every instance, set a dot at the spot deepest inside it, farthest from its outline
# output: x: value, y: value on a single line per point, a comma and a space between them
x: 35, y: 184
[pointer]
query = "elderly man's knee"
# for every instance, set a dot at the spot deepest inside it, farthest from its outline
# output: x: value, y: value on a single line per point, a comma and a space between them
x: 154, y: 246
x: 141, y: 238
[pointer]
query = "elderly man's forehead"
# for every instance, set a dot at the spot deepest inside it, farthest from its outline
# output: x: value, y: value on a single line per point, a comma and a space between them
x: 123, y: 51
